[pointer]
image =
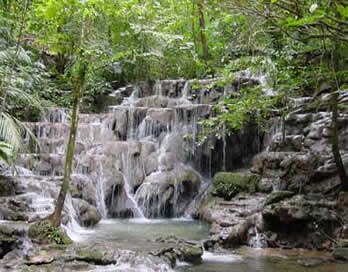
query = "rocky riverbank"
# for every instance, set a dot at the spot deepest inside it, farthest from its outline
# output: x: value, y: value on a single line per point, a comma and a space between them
x: 290, y: 197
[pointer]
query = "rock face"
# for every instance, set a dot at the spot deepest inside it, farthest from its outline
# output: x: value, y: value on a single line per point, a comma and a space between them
x: 9, y: 239
x: 235, y: 222
x: 303, y: 208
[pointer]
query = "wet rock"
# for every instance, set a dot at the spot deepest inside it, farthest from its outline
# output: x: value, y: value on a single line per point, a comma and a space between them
x: 88, y: 214
x: 83, y: 187
x: 182, y: 250
x: 165, y: 194
x: 231, y: 220
x: 7, y: 186
x: 278, y: 196
x: 227, y: 185
x: 8, y: 214
x: 190, y: 254
x: 95, y: 256
x: 9, y: 239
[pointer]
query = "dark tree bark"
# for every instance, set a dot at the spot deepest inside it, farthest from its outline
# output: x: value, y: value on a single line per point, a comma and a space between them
x: 335, y: 143
x: 202, y: 30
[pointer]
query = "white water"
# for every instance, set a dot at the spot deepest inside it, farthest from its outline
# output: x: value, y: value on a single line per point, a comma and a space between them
x: 73, y: 228
x: 220, y: 258
x: 101, y: 192
x: 257, y: 240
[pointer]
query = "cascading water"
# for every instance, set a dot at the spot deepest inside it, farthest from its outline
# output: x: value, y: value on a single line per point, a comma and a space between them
x: 140, y: 158
x: 72, y: 227
x: 100, y: 190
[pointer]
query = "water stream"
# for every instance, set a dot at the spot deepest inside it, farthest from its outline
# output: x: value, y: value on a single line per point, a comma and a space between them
x: 145, y: 235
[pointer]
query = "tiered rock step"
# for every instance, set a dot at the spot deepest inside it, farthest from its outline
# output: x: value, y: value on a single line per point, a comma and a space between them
x: 131, y: 141
x: 108, y: 154
x: 124, y: 124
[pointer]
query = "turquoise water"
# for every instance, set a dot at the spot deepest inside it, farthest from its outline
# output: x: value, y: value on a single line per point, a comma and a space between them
x: 143, y: 235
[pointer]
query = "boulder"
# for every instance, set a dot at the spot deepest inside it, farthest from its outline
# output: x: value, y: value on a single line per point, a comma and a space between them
x: 88, y: 215
x: 168, y: 194
x: 182, y: 250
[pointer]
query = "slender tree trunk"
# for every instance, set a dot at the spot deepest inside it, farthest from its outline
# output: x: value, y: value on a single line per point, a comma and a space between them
x: 335, y: 143
x: 55, y: 218
x: 202, y: 30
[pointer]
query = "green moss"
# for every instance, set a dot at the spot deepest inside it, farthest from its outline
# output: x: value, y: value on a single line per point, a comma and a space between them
x: 227, y: 184
x: 43, y: 232
x: 171, y: 257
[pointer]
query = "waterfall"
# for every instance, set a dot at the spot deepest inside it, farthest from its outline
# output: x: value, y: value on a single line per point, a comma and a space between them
x: 257, y: 240
x: 73, y: 228
x: 138, y: 158
x: 100, y: 190
x: 127, y: 185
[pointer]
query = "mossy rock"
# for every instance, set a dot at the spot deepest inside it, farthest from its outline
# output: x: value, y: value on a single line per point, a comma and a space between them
x: 171, y: 258
x: 278, y: 196
x: 191, y: 254
x: 95, y: 256
x: 228, y: 184
x: 44, y: 233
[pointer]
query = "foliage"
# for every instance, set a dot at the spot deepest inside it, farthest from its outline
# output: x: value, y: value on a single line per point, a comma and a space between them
x: 43, y: 232
x: 300, y: 46
x: 5, y: 152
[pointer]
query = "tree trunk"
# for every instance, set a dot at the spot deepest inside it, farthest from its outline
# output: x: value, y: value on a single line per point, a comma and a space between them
x: 335, y: 143
x: 202, y: 30
x: 55, y: 218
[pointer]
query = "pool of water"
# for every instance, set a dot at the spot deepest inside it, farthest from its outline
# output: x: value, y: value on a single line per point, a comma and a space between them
x: 143, y: 234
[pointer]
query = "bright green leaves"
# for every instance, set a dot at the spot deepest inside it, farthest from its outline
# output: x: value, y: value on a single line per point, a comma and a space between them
x: 292, y: 22
x: 343, y: 11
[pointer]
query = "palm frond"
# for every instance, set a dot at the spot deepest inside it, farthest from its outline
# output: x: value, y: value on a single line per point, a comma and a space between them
x: 6, y: 153
x: 23, y: 96
x: 10, y: 131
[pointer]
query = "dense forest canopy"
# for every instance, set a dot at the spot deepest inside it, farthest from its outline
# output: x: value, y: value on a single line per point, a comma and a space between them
x: 301, y: 46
